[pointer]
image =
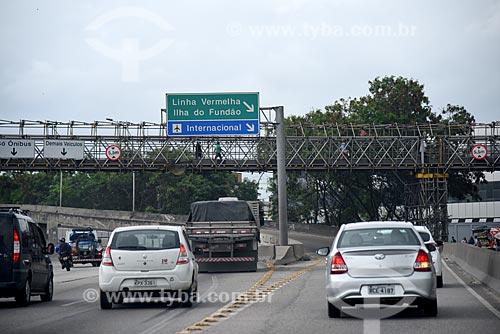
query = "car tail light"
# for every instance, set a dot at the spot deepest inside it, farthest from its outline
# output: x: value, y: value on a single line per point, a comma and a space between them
x: 422, y: 263
x: 338, y: 265
x: 106, y: 259
x: 183, y: 256
x: 17, y: 248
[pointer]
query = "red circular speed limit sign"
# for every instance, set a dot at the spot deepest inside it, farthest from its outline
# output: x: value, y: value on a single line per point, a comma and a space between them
x: 113, y: 152
x: 479, y: 151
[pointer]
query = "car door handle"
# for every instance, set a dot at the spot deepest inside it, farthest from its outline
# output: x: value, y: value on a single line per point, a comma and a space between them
x: 26, y: 262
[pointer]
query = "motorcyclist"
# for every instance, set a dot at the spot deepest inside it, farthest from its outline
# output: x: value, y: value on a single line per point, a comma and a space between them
x: 63, y: 249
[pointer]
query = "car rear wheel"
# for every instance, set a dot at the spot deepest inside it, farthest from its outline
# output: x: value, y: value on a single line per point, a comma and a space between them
x: 23, y: 297
x: 439, y: 281
x: 430, y: 307
x: 106, y: 304
x: 333, y: 311
x: 190, y: 296
x: 49, y: 291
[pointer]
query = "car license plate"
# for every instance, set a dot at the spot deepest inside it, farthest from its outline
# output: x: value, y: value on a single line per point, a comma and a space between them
x: 145, y: 282
x: 381, y: 289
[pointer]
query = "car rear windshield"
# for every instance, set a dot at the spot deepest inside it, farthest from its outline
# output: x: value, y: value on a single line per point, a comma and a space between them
x: 378, y: 237
x: 145, y: 240
x: 425, y: 236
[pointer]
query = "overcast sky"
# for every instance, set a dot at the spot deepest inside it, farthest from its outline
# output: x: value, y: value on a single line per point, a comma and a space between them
x: 91, y: 60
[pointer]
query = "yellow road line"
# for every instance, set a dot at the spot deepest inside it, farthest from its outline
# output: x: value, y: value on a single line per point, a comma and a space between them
x: 257, y: 292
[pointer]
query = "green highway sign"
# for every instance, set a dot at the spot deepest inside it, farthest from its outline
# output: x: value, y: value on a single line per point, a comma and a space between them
x: 204, y: 114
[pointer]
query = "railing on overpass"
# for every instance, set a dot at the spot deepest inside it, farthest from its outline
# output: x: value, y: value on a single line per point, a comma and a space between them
x: 327, y: 147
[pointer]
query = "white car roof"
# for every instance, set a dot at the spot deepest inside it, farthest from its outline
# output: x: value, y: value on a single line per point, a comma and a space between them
x: 422, y: 229
x: 149, y: 227
x: 377, y: 224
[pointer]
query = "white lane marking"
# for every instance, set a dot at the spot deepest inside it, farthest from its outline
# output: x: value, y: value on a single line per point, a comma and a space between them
x: 73, y: 303
x: 162, y: 323
x: 173, y: 313
x: 474, y: 293
x: 215, y: 284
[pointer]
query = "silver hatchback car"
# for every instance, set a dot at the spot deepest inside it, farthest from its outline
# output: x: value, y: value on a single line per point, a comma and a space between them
x: 384, y: 264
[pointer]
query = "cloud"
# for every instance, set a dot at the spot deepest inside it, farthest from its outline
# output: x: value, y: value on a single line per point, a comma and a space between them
x: 489, y: 21
x: 49, y: 71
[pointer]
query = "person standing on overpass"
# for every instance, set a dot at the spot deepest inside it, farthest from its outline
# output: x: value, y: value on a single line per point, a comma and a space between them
x: 198, y: 150
x: 218, y: 151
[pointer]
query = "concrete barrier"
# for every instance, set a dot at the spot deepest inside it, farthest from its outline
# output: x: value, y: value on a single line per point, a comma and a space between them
x: 269, y: 250
x: 266, y: 252
x: 284, y: 255
x: 482, y: 263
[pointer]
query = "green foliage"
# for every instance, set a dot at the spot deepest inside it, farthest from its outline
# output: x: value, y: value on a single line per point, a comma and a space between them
x: 341, y: 197
x: 27, y: 188
x: 155, y: 192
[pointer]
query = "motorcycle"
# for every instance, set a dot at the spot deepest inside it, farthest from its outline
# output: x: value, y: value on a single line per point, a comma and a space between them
x: 66, y: 262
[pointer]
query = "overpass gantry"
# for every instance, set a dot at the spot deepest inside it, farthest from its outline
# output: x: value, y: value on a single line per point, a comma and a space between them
x: 429, y: 152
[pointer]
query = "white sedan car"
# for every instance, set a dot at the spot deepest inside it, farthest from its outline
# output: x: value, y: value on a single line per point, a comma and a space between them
x: 426, y: 236
x: 141, y: 262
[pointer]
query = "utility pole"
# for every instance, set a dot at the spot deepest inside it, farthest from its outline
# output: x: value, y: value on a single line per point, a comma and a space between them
x: 281, y: 170
x: 133, y: 191
x: 60, y: 188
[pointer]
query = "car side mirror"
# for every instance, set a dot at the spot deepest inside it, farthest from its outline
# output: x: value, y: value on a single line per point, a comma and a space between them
x: 430, y: 247
x: 198, y: 250
x: 50, y: 249
x: 324, y: 251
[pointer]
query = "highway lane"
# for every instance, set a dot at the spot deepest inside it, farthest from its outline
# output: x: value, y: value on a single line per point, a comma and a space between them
x: 300, y: 307
x: 75, y: 306
x: 294, y: 302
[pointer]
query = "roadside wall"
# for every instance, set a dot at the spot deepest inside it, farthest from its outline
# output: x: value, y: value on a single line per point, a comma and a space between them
x: 482, y: 263
x: 319, y: 229
x: 53, y: 217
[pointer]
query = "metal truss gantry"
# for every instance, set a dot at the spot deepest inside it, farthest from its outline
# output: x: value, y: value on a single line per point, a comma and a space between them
x: 146, y: 147
x: 427, y: 151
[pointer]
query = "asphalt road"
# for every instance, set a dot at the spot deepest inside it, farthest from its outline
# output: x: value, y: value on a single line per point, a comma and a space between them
x: 292, y: 301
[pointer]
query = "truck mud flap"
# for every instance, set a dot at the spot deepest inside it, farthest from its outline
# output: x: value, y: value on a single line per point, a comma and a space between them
x: 227, y: 264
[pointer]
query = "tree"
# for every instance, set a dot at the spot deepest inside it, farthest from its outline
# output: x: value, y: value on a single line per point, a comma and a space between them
x: 391, y: 100
x: 340, y: 197
x: 155, y: 191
